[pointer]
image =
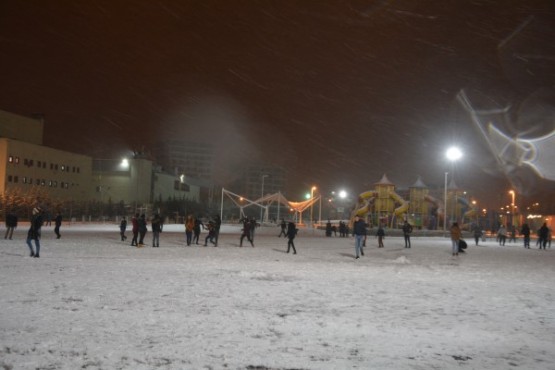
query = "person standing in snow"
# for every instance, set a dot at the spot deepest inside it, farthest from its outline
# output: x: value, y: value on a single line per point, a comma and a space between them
x: 455, y: 238
x: 156, y: 224
x: 525, y: 231
x: 57, y: 225
x: 122, y: 228
x: 359, y: 231
x: 477, y: 233
x: 502, y: 235
x: 291, y: 233
x: 283, y: 226
x: 543, y: 235
x: 11, y: 224
x: 142, y: 230
x: 135, y: 229
x: 217, y: 225
x: 381, y: 236
x: 34, y: 232
x: 189, y: 228
x: 407, y: 230
x: 246, y: 231
x: 196, y: 230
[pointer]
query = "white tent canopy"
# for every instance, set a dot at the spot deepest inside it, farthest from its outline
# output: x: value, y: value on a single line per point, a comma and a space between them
x: 265, y: 202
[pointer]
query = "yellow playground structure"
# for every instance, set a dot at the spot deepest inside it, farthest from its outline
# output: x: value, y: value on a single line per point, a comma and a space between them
x: 384, y: 206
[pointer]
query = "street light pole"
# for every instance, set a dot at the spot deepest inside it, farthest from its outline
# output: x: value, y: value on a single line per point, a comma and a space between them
x: 261, y: 208
x: 320, y: 211
x: 445, y: 206
x: 512, y: 192
x: 312, y: 205
x: 453, y: 154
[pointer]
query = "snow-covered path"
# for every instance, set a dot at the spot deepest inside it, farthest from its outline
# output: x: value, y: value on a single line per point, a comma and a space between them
x: 94, y: 302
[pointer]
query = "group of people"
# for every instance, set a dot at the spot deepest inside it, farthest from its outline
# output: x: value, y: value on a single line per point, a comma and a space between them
x: 193, y: 227
x: 289, y: 230
x: 343, y: 229
x: 544, y: 235
x: 360, y: 234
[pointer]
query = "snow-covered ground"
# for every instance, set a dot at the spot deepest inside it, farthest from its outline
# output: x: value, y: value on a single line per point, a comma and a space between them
x: 94, y: 302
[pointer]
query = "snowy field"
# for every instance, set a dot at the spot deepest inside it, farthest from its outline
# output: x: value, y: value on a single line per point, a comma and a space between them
x: 94, y: 302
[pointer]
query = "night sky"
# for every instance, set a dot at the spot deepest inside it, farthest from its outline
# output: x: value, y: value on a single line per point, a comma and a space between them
x: 338, y: 92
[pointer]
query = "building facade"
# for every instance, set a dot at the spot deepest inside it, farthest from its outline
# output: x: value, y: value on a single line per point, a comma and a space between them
x: 62, y: 175
x: 27, y: 166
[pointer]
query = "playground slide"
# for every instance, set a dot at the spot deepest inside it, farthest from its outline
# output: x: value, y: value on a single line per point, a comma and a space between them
x: 403, y: 208
x: 363, y: 205
x: 364, y: 201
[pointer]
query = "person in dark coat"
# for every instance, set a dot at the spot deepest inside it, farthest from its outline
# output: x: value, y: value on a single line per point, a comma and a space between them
x: 34, y: 232
x: 291, y: 233
x: 407, y: 230
x: 477, y: 233
x: 211, y: 234
x: 217, y: 225
x: 253, y: 226
x: 283, y: 231
x: 135, y: 229
x: 246, y: 231
x: 543, y: 234
x: 156, y: 224
x: 142, y: 229
x: 196, y: 230
x: 11, y: 224
x: 57, y: 225
x: 359, y: 232
x: 381, y: 236
x: 329, y: 228
x: 122, y: 228
x: 525, y: 231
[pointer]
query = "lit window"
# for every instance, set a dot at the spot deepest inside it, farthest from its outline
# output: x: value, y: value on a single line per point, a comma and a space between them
x: 16, y: 160
x: 10, y: 159
x: 63, y: 167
